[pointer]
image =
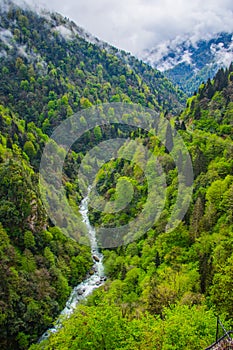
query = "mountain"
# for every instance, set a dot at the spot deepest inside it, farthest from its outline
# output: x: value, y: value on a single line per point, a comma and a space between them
x: 51, y: 45
x: 49, y: 69
x: 188, y: 63
x: 164, y: 288
x: 210, y: 109
x: 39, y: 264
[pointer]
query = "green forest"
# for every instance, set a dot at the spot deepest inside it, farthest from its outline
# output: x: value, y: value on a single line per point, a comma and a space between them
x: 164, y: 290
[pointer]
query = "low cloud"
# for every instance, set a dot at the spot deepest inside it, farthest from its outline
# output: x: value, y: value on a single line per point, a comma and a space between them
x: 135, y: 25
x: 224, y: 56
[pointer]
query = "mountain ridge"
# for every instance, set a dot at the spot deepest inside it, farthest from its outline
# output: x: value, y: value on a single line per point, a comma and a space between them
x: 164, y: 288
x: 46, y: 42
x: 46, y: 78
x: 188, y: 63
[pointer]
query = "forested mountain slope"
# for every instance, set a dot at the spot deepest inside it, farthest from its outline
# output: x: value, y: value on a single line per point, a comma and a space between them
x: 211, y: 109
x: 39, y: 265
x: 48, y: 71
x: 48, y: 65
x: 164, y: 288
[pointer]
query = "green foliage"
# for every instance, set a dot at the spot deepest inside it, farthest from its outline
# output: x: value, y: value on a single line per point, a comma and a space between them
x: 66, y: 75
x: 29, y: 149
x: 211, y: 109
x: 187, y: 268
x: 105, y: 327
x: 36, y: 264
x: 163, y: 287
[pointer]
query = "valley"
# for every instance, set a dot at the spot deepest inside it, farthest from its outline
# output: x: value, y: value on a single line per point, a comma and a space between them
x: 141, y: 260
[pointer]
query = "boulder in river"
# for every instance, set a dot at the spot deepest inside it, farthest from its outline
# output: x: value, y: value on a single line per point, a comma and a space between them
x: 81, y: 291
x: 96, y: 258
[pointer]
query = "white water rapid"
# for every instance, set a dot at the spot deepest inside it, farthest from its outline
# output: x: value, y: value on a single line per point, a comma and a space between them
x: 85, y: 288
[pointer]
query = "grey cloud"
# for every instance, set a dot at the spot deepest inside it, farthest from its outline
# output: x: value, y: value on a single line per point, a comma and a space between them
x: 134, y: 25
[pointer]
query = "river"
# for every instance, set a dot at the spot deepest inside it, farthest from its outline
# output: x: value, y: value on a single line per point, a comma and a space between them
x: 85, y: 288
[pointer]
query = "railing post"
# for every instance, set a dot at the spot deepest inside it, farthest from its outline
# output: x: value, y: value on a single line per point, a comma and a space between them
x: 226, y: 333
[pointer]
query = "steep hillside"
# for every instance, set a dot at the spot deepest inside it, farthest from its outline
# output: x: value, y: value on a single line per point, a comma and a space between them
x: 39, y: 265
x: 188, y: 64
x: 165, y: 288
x: 48, y: 71
x: 47, y: 64
x: 211, y: 109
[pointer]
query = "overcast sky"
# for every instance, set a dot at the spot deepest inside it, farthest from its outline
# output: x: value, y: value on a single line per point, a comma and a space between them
x: 134, y: 25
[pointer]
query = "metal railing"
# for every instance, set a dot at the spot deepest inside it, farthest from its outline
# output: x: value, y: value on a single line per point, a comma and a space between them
x: 226, y: 339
